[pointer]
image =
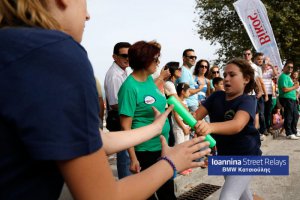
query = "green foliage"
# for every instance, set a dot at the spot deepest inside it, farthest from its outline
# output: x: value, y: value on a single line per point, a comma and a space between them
x: 219, y: 23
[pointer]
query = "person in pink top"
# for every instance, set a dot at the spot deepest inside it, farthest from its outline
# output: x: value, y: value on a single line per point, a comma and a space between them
x: 277, y: 120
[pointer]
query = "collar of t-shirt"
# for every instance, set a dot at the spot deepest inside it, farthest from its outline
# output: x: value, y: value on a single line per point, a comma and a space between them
x: 119, y: 70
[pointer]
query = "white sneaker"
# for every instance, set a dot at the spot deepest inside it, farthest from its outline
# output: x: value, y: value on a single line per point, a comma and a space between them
x: 292, y: 137
x: 298, y: 134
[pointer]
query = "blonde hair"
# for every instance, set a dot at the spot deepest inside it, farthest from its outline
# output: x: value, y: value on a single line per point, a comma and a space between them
x: 32, y: 13
x: 210, y: 75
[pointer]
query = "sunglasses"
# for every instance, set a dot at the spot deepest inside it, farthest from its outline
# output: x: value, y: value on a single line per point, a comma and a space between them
x: 202, y: 66
x: 215, y: 72
x: 291, y: 67
x: 125, y: 56
x: 247, y: 54
x: 192, y: 57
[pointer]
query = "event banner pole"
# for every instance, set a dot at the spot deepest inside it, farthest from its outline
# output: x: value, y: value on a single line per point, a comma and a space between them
x: 254, y: 17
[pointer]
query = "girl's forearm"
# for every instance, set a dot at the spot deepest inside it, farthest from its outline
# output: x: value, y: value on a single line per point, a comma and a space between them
x: 117, y: 141
x: 231, y: 127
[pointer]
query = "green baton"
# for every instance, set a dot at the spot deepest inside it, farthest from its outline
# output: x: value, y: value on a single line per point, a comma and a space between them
x: 188, y: 118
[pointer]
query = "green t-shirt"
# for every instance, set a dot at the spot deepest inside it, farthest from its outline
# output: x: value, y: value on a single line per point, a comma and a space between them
x: 135, y: 99
x: 285, y: 81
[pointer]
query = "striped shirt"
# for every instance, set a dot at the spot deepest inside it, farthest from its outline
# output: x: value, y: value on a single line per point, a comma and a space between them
x: 267, y: 79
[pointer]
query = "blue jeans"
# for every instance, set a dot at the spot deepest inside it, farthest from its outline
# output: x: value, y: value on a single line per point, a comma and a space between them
x: 123, y: 163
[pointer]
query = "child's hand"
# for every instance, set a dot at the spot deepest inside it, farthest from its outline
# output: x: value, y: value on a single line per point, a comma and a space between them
x: 194, y: 114
x: 135, y: 166
x: 164, y: 74
x: 296, y: 84
x: 266, y: 98
x: 202, y: 128
x: 160, y: 118
x: 186, y: 130
x: 258, y: 94
x: 184, y: 154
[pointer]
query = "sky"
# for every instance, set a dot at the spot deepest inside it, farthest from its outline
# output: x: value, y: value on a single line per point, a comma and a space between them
x: 169, y: 22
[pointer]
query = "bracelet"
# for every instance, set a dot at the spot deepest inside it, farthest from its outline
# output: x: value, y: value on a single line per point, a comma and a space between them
x: 171, y: 163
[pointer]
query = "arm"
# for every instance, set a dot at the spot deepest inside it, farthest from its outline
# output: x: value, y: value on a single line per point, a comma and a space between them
x: 180, y: 123
x: 230, y: 127
x: 201, y: 112
x: 263, y: 88
x: 159, y: 82
x: 113, y: 85
x: 208, y: 88
x: 268, y: 63
x: 295, y: 87
x: 163, y: 76
x: 100, y: 97
x: 90, y: 177
x: 275, y: 71
x: 126, y: 123
x: 117, y: 141
x: 101, y: 114
x: 258, y: 85
x: 97, y: 181
x: 195, y: 91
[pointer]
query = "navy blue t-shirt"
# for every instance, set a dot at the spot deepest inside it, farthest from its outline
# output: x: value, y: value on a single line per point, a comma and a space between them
x: 48, y: 110
x: 246, y: 142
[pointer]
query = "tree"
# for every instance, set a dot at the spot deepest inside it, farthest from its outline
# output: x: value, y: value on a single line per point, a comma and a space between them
x: 219, y: 23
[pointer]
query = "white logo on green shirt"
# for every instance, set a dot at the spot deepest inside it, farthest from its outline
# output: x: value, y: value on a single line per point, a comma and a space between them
x: 149, y: 100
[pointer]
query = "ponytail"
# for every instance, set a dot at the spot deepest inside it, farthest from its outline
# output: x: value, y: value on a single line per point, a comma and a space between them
x: 14, y: 13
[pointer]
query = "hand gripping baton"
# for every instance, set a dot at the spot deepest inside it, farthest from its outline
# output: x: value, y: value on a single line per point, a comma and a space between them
x: 188, y: 118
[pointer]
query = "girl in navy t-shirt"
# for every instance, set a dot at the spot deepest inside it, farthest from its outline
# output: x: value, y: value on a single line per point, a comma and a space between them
x: 49, y: 113
x: 232, y: 114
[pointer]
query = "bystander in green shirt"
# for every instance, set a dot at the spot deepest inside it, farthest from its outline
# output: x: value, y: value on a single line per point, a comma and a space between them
x: 136, y: 100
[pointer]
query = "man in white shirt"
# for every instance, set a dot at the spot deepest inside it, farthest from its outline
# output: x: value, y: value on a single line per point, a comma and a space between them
x: 268, y: 72
x: 114, y: 78
x: 258, y: 93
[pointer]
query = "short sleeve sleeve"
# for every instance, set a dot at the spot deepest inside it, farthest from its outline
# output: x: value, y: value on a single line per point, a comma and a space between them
x: 127, y: 100
x: 248, y: 104
x: 259, y: 72
x: 169, y: 88
x: 185, y: 78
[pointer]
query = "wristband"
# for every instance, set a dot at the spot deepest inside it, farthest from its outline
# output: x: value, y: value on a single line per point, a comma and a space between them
x: 171, y: 163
